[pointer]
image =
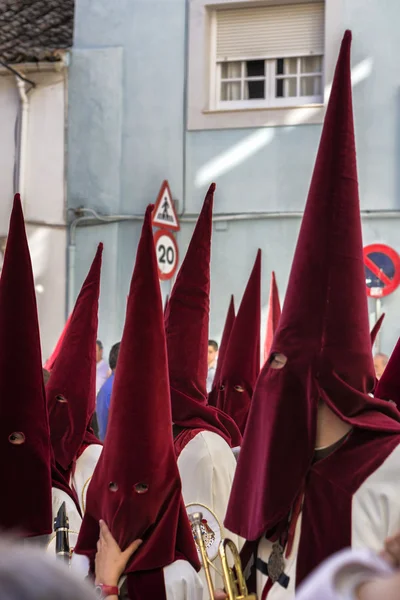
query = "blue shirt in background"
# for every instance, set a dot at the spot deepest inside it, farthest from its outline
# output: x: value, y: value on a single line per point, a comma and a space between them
x: 103, y: 406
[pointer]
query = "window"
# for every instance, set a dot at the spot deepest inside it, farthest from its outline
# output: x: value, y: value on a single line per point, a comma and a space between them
x: 277, y: 82
x: 260, y: 63
x: 268, y: 56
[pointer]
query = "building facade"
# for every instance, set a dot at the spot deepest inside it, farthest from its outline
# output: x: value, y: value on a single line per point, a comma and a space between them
x: 34, y: 38
x: 196, y: 91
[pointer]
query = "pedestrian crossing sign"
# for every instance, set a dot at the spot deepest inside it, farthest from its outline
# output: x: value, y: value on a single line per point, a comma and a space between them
x: 164, y: 214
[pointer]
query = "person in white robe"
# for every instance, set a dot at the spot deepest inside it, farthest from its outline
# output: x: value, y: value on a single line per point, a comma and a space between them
x: 319, y: 465
x: 203, y: 435
x: 136, y: 489
x: 71, y: 400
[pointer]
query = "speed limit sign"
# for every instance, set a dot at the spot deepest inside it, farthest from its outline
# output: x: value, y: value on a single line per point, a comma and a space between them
x: 167, y: 254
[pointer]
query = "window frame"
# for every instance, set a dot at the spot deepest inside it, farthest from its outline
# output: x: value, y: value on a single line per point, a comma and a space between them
x: 202, y: 90
x: 270, y: 78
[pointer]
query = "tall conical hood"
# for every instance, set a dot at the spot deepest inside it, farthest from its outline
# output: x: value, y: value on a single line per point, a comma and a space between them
x: 71, y: 390
x: 242, y: 360
x: 388, y: 386
x: 25, y: 441
x: 136, y: 487
x: 226, y: 334
x: 166, y: 305
x: 323, y: 333
x: 274, y: 314
x: 49, y: 364
x: 376, y: 329
x: 186, y: 323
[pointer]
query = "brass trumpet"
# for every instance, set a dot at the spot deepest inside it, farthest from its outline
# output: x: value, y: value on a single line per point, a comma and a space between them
x: 234, y: 581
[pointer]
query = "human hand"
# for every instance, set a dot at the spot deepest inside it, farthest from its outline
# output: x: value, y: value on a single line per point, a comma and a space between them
x: 387, y: 588
x: 110, y: 560
x: 219, y: 595
x: 391, y: 551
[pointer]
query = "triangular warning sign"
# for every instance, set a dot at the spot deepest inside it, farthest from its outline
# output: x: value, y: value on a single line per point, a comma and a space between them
x: 164, y: 214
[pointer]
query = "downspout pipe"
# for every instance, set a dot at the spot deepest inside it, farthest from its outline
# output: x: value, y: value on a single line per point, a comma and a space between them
x: 23, y: 137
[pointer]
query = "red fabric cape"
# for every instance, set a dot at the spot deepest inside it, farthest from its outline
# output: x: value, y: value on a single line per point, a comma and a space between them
x: 194, y: 414
x: 338, y: 476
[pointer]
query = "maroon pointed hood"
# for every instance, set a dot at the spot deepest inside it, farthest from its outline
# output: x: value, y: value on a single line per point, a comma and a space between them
x: 186, y: 323
x: 136, y: 488
x: 49, y: 364
x: 226, y: 334
x: 242, y: 359
x: 25, y: 467
x: 274, y: 314
x: 166, y: 305
x: 323, y: 333
x: 71, y: 390
x: 388, y: 386
x: 376, y: 328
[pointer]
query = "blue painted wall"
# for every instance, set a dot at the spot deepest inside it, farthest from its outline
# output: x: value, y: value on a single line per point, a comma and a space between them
x: 127, y: 133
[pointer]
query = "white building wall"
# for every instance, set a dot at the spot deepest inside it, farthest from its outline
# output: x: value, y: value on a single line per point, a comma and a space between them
x: 44, y: 195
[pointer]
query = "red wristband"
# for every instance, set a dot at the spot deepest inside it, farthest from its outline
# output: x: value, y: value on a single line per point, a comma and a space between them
x: 104, y: 591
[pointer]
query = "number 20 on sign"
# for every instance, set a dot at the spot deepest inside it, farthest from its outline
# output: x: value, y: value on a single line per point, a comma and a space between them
x: 167, y: 254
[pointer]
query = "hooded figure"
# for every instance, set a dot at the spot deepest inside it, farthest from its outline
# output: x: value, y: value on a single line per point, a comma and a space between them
x: 186, y: 323
x: 226, y: 334
x: 25, y: 447
x: 274, y: 314
x: 203, y: 435
x: 311, y: 400
x: 71, y: 390
x: 242, y: 359
x: 136, y: 487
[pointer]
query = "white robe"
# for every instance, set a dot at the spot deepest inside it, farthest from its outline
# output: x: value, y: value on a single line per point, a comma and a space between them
x: 84, y: 469
x: 182, y: 582
x: 339, y: 577
x: 375, y: 516
x: 207, y: 467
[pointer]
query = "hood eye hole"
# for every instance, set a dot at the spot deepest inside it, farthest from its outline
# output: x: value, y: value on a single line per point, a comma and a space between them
x: 222, y: 387
x: 277, y: 360
x: 60, y: 398
x: 239, y: 388
x: 141, y: 488
x: 112, y: 486
x: 17, y: 438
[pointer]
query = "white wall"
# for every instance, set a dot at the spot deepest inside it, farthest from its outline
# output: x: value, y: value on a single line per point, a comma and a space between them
x: 44, y: 197
x: 8, y: 116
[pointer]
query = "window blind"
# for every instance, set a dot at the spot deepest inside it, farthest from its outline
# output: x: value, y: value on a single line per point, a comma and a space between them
x: 270, y: 31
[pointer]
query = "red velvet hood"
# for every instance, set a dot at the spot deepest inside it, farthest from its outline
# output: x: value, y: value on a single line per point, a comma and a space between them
x: 73, y: 378
x: 226, y: 334
x: 242, y: 359
x: 376, y: 328
x: 49, y: 365
x: 26, y: 468
x: 388, y: 386
x: 138, y: 450
x: 323, y: 332
x: 186, y: 323
x: 274, y: 314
